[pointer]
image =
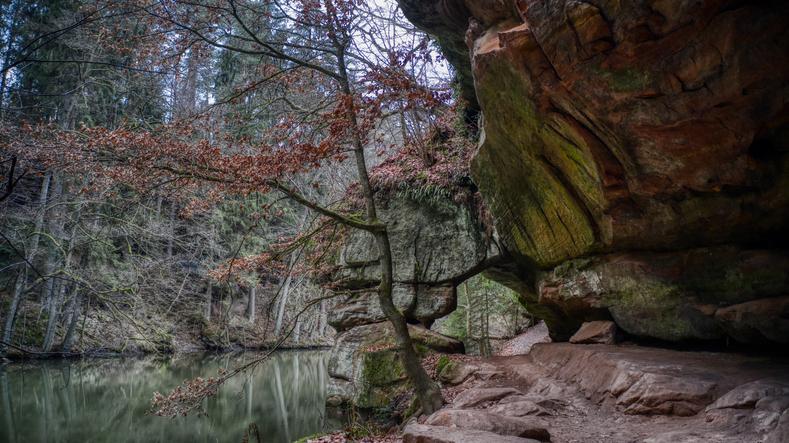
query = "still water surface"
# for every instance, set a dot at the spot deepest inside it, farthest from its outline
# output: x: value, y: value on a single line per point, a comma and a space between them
x: 105, y: 400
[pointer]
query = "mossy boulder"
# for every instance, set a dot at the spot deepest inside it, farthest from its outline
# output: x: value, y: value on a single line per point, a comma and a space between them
x: 365, y: 363
x: 674, y: 296
x: 432, y: 242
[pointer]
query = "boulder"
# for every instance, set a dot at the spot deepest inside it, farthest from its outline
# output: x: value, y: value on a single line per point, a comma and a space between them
x: 781, y: 432
x: 365, y: 367
x: 704, y: 293
x: 418, y: 433
x: 746, y: 396
x: 361, y: 307
x: 766, y: 319
x: 601, y: 332
x: 760, y: 403
x: 456, y: 372
x: 490, y: 422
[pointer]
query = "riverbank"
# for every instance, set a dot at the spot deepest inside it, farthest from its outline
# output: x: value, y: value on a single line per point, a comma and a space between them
x: 108, y: 331
x: 16, y: 353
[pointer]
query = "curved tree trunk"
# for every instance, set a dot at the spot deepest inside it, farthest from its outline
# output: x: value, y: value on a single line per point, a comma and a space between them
x: 208, y: 299
x: 251, y: 304
x: 74, y: 310
x: 426, y: 391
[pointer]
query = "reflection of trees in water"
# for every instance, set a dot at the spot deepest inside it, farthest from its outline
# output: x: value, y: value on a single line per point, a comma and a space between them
x: 106, y: 400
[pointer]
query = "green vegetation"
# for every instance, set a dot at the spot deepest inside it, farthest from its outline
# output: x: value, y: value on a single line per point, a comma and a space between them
x: 486, y: 311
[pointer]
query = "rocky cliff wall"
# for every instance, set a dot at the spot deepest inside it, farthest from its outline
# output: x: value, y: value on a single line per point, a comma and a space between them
x: 634, y: 156
x: 435, y: 246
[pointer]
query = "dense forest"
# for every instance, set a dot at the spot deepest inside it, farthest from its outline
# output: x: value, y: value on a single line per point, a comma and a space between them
x: 89, y: 245
x: 375, y: 219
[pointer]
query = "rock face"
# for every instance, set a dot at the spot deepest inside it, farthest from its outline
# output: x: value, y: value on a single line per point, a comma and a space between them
x: 435, y: 246
x: 365, y: 366
x: 615, y: 127
x: 703, y: 293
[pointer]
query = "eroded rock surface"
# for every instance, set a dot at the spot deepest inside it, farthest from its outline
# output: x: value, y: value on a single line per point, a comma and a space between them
x: 476, y: 397
x: 604, y: 393
x: 635, y: 156
x: 435, y: 246
x: 365, y: 366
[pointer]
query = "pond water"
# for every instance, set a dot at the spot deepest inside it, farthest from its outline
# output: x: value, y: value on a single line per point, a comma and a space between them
x: 105, y: 400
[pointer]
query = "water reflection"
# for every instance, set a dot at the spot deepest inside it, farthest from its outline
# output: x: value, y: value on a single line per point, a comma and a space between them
x: 106, y: 400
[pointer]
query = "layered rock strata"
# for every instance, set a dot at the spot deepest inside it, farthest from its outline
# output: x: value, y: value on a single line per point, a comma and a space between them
x: 435, y: 246
x: 635, y: 156
x: 601, y: 393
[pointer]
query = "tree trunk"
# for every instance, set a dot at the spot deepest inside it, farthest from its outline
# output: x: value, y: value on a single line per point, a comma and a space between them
x: 189, y: 93
x: 171, y: 238
x: 10, y: 32
x: 484, y: 348
x: 208, y: 299
x: 57, y: 302
x: 54, y: 315
x: 19, y: 289
x: 21, y: 280
x: 73, y: 318
x: 48, y: 288
x: 322, y: 319
x: 427, y: 392
x: 283, y: 300
x: 469, y: 333
x: 251, y: 304
x: 42, y: 203
x: 56, y: 219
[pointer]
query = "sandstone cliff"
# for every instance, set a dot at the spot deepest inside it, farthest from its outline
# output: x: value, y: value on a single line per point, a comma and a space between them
x: 634, y: 156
